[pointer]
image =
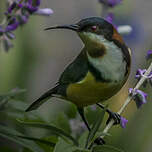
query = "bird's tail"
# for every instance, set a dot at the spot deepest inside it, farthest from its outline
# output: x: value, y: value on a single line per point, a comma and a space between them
x: 36, y: 104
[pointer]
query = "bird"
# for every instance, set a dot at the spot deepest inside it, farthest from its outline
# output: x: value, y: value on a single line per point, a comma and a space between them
x: 98, y: 72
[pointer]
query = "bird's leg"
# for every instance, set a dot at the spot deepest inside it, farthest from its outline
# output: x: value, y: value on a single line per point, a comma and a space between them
x: 98, y: 141
x: 112, y: 115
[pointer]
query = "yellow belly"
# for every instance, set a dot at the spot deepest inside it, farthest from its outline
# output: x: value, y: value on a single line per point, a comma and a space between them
x: 89, y: 91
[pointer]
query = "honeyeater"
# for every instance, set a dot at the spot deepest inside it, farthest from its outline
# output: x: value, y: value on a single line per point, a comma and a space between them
x: 98, y: 72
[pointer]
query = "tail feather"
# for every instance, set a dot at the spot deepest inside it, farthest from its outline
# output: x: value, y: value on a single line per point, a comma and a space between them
x: 36, y: 104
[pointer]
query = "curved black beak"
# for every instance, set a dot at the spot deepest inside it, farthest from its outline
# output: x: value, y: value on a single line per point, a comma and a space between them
x: 73, y: 27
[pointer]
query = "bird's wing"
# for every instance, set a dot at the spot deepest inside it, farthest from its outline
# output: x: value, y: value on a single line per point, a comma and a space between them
x: 76, y: 71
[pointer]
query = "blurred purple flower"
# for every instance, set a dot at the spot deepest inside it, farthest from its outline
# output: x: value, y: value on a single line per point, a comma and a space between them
x: 20, y: 5
x: 77, y: 126
x: 23, y: 19
x: 38, y: 2
x: 30, y: 1
x: 138, y: 96
x: 149, y: 54
x: 123, y: 122
x: 113, y: 3
x: 110, y: 3
x: 12, y: 25
x: 31, y: 8
x: 17, y: 14
x: 11, y: 7
x: 93, y: 107
x: 44, y: 11
x: 10, y: 35
x: 110, y: 17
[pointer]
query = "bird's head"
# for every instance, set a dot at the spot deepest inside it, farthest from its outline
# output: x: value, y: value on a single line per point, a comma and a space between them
x: 92, y: 30
x: 98, y: 36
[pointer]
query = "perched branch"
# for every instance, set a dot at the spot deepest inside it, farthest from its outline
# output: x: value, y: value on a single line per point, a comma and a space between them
x: 129, y: 98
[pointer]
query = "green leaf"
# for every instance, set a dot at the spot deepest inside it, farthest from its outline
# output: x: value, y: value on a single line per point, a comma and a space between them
x: 42, y: 141
x: 96, y: 126
x: 71, y: 111
x: 81, y: 150
x: 106, y: 148
x: 3, y: 104
x: 50, y: 128
x: 46, y: 144
x: 14, y: 109
x: 52, y: 139
x: 64, y: 146
x: 13, y: 93
x: 62, y: 122
x: 4, y: 98
x: 11, y: 134
x: 5, y: 149
x: 83, y: 139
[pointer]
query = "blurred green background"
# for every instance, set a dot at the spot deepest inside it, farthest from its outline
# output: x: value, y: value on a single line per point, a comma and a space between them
x: 39, y: 57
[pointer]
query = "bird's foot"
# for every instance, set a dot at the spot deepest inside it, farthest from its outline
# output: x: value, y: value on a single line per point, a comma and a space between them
x: 115, y: 116
x: 99, y: 141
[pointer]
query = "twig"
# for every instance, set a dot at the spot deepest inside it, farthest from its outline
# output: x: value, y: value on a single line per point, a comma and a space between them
x: 128, y: 100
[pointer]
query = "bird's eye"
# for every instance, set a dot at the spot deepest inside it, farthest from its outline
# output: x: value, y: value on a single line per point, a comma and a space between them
x: 94, y: 28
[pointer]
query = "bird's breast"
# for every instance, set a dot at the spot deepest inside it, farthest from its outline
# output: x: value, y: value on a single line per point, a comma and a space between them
x: 89, y: 91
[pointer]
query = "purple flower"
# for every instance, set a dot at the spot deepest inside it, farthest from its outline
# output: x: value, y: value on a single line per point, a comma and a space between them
x: 110, y: 17
x: 23, y: 19
x: 44, y: 11
x: 13, y: 25
x: 30, y: 2
x: 31, y: 8
x: 10, y: 35
x: 34, y: 3
x: 93, y: 107
x: 138, y: 96
x: 123, y: 122
x: 110, y: 3
x: 17, y: 14
x: 149, y: 54
x: 12, y: 6
x: 113, y: 3
x: 38, y: 2
x: 140, y: 73
x: 77, y: 126
x: 20, y: 5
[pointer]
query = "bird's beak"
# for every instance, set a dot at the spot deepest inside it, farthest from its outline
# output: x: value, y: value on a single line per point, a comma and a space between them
x: 73, y: 27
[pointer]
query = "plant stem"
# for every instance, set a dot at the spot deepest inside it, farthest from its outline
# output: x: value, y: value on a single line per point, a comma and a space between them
x: 128, y: 100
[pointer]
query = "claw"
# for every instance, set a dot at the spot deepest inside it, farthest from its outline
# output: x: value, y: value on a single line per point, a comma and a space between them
x: 99, y: 141
x: 115, y: 116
